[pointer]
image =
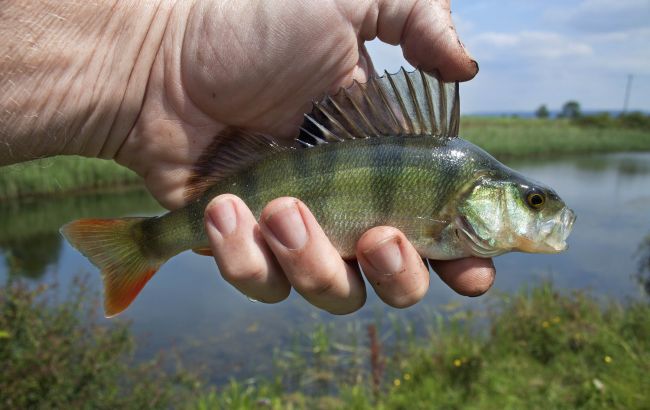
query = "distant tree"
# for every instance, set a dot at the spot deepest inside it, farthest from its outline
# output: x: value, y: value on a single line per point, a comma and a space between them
x: 542, y: 112
x: 571, y: 110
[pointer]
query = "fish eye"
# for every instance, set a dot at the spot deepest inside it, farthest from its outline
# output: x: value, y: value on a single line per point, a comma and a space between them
x: 535, y: 198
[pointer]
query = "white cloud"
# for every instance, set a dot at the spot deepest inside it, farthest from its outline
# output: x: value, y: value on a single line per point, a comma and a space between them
x: 496, y: 39
x: 602, y: 15
x: 549, y: 52
x: 536, y: 44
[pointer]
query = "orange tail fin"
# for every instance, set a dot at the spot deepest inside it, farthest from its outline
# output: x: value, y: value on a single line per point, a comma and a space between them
x: 112, y: 246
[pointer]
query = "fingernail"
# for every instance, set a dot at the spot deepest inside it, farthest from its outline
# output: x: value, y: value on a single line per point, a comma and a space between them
x: 288, y: 227
x: 223, y: 217
x: 476, y: 64
x: 386, y: 256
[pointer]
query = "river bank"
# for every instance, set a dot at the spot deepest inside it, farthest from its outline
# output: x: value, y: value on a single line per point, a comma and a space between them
x: 537, y: 348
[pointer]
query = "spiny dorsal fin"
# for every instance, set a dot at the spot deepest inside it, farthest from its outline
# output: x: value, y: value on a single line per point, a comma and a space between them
x: 405, y: 104
x: 232, y: 151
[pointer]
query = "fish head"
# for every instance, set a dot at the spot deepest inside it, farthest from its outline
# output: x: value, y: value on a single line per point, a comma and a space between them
x: 499, y: 215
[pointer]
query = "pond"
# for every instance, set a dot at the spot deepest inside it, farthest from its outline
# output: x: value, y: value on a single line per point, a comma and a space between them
x: 190, y: 308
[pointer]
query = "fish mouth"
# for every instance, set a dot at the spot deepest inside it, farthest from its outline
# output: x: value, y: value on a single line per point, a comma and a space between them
x: 477, y: 245
x: 560, y: 229
x: 552, y: 235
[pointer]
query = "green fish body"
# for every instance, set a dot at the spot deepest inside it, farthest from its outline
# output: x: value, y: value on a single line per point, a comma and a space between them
x: 381, y: 153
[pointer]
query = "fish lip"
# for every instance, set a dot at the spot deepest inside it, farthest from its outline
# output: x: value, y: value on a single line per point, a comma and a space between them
x: 477, y: 245
x: 562, y: 232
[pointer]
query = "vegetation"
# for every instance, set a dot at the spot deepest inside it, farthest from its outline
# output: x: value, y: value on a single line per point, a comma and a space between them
x: 63, y: 175
x: 542, y: 112
x: 512, y: 137
x: 536, y: 349
x: 571, y: 110
x: 55, y: 354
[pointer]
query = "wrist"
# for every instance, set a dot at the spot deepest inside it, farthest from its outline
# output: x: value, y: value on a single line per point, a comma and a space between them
x: 77, y: 75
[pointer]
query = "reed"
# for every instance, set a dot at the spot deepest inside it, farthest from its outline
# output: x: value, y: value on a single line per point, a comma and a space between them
x: 514, y: 137
x: 63, y: 175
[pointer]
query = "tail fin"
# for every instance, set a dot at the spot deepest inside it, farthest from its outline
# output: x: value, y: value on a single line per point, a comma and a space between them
x: 112, y: 245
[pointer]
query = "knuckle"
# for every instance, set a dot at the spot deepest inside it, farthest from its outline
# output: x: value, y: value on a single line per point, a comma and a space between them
x: 407, y: 299
x: 316, y: 284
x: 243, y: 271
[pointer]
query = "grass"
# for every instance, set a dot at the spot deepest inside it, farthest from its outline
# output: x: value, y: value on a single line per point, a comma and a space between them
x: 63, y: 175
x: 503, y: 137
x: 535, y: 349
x: 513, y: 137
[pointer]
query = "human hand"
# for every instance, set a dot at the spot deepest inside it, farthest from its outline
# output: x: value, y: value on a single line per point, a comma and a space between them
x: 256, y: 65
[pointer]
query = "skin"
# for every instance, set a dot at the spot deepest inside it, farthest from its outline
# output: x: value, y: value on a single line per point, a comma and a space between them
x: 151, y: 84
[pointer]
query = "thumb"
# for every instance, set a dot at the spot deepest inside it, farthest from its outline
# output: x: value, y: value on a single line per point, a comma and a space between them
x: 426, y: 33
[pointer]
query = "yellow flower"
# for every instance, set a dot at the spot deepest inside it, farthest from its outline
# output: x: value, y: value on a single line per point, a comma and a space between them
x: 397, y: 382
x: 407, y: 376
x: 457, y: 362
x: 607, y: 359
x: 556, y: 319
x: 545, y: 324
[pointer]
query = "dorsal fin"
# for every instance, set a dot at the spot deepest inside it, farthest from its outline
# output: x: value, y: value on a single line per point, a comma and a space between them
x: 232, y: 151
x: 405, y: 103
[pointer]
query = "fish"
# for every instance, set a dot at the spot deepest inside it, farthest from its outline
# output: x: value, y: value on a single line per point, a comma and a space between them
x: 383, y: 152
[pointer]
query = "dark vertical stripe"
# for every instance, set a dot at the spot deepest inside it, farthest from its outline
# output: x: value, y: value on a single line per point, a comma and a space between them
x: 326, y: 167
x: 387, y: 166
x: 249, y: 183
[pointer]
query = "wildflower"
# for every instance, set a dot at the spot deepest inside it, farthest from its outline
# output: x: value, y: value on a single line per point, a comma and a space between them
x: 545, y: 324
x: 607, y: 359
x: 397, y: 382
x: 457, y: 362
x: 556, y: 319
x: 598, y: 384
x: 407, y: 376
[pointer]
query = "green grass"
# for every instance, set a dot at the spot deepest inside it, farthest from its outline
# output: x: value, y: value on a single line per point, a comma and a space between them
x: 503, y: 137
x: 513, y: 137
x: 63, y: 175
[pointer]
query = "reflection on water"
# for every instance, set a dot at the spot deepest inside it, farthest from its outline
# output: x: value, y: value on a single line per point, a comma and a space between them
x: 29, y: 231
x: 623, y: 164
x: 643, y: 267
x: 188, y: 306
x: 31, y: 255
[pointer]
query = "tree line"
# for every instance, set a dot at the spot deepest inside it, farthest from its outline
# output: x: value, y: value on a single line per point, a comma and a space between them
x: 572, y: 111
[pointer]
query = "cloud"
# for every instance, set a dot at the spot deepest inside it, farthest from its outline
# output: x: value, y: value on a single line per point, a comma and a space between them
x: 535, y: 44
x: 549, y: 52
x: 602, y: 15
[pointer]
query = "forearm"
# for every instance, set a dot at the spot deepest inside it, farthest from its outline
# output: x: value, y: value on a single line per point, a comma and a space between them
x: 73, y: 74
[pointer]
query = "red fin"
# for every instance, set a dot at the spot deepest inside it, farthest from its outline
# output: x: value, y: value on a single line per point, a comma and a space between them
x: 112, y: 245
x: 203, y: 251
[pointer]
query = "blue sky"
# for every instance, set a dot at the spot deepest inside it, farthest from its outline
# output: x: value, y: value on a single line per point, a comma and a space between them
x: 547, y: 52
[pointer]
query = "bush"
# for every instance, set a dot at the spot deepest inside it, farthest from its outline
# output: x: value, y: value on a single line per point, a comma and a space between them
x: 56, y: 355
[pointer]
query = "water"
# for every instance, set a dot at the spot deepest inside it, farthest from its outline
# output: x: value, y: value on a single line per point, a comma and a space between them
x: 188, y: 307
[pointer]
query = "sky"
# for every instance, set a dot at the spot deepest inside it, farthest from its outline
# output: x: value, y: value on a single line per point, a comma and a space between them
x: 534, y: 52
